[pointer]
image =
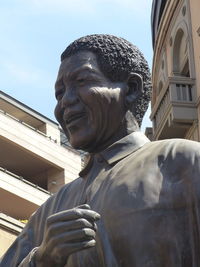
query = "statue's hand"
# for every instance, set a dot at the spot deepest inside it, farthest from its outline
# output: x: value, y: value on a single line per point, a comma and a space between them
x: 66, y: 232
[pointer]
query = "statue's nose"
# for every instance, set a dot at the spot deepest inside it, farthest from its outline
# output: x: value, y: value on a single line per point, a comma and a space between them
x: 69, y: 98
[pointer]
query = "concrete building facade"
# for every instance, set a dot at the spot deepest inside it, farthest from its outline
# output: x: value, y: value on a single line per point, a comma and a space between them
x: 33, y: 164
x: 176, y: 67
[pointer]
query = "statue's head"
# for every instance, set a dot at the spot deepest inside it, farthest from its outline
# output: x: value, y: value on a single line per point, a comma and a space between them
x: 103, y: 90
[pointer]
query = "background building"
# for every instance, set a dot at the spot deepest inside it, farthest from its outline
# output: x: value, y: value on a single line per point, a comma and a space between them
x: 176, y: 69
x: 35, y: 161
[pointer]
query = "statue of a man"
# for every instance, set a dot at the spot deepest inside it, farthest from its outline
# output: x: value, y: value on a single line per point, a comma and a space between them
x: 136, y: 202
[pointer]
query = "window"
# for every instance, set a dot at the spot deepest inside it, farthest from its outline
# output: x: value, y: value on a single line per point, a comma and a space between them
x: 180, y: 55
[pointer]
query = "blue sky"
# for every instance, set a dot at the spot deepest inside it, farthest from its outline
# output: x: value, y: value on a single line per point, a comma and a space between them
x: 33, y: 33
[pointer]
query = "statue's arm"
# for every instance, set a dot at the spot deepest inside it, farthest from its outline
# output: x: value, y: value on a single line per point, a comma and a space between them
x: 65, y: 232
x: 29, y: 260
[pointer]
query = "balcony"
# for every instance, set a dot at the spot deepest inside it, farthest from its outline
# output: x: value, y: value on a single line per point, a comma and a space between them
x: 19, y: 198
x: 175, y: 109
x: 35, y: 156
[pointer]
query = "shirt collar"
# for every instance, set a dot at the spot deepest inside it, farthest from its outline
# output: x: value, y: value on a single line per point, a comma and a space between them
x: 119, y: 150
x: 124, y: 147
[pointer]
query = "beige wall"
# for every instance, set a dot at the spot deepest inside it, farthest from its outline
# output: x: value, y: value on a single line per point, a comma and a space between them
x: 9, y: 229
x: 6, y: 239
x: 193, y: 132
x: 195, y: 22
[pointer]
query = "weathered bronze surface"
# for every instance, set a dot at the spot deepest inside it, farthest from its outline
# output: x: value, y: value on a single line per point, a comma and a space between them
x: 136, y: 202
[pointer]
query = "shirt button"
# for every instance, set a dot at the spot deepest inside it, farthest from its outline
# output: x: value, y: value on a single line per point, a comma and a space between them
x: 99, y: 159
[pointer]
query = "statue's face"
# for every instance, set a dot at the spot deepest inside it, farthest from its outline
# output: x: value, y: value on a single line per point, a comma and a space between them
x: 90, y: 108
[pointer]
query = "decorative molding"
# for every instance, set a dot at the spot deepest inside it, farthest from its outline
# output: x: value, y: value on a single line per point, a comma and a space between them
x: 170, y: 41
x: 163, y: 64
x: 184, y: 10
x: 198, y: 31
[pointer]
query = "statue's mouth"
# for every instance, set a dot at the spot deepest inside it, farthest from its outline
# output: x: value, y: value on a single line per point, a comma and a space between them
x: 74, y: 117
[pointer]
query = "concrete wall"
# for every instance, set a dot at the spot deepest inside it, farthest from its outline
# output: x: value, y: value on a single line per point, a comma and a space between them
x: 6, y: 239
x: 195, y: 26
x: 9, y: 229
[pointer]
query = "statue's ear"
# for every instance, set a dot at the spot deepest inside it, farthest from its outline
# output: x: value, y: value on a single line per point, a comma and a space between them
x: 134, y: 88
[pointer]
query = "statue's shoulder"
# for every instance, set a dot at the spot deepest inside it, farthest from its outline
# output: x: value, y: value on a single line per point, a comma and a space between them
x: 180, y: 153
x: 182, y: 149
x: 177, y: 145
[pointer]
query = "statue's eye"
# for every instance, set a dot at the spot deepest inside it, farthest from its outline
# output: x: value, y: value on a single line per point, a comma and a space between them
x: 81, y: 80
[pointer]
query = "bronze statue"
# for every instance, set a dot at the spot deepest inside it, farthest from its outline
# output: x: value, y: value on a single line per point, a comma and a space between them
x: 136, y: 202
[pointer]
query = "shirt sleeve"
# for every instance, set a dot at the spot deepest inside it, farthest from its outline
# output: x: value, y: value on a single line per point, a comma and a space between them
x: 28, y: 261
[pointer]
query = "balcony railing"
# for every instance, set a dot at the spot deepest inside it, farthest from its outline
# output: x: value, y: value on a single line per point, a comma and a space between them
x: 24, y: 180
x: 175, y: 104
x: 28, y: 126
x: 64, y: 143
x: 182, y: 92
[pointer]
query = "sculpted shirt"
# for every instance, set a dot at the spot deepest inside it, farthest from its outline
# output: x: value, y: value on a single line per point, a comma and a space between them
x: 148, y: 196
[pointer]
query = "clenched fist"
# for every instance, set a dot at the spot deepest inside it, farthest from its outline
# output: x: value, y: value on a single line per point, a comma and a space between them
x: 65, y: 233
